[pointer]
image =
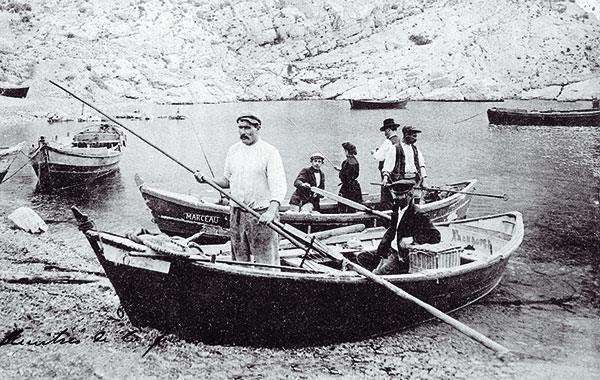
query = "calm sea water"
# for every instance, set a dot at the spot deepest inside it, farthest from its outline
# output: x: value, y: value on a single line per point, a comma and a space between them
x: 551, y: 174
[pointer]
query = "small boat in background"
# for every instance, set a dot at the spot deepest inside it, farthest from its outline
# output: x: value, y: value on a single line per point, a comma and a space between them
x: 309, y: 298
x: 358, y: 104
x: 93, y: 153
x: 14, y: 92
x: 512, y: 116
x: 7, y: 156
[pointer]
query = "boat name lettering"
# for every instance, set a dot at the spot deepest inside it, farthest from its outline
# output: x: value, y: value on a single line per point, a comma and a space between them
x: 475, y: 241
x: 212, y: 219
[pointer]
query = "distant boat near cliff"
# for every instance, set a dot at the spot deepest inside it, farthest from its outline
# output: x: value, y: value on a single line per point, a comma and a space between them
x: 361, y: 104
x: 14, y: 92
x: 512, y: 116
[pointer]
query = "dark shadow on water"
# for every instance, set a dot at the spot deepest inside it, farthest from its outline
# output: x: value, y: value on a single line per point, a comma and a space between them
x: 56, y: 203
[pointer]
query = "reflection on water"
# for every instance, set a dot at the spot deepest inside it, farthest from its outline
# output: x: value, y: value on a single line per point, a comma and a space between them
x: 551, y: 174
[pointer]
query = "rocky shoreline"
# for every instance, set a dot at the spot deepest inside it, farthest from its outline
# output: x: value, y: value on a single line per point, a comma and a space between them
x: 221, y: 51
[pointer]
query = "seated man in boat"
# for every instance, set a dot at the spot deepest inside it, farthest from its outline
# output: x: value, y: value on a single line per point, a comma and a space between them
x: 303, y: 199
x: 409, y: 225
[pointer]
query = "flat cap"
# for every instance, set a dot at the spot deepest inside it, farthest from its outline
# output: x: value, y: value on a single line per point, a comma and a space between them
x: 251, y: 117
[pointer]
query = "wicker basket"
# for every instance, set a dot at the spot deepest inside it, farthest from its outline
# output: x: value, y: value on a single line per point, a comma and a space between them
x: 432, y: 257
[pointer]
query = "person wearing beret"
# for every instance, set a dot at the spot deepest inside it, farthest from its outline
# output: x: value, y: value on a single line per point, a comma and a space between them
x: 349, y: 171
x: 255, y: 175
x: 389, y: 129
x: 303, y: 199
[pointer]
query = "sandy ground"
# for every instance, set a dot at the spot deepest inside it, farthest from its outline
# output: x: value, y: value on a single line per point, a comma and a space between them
x: 68, y: 304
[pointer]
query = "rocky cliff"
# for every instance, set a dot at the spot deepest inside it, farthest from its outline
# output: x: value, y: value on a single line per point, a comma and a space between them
x: 222, y: 50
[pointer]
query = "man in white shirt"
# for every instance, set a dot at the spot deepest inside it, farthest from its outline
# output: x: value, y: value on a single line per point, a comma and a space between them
x: 389, y: 129
x: 406, y: 161
x: 254, y: 172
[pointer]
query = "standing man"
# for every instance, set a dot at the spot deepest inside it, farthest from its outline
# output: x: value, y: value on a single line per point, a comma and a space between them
x: 405, y: 161
x: 254, y: 173
x: 303, y: 199
x: 389, y: 129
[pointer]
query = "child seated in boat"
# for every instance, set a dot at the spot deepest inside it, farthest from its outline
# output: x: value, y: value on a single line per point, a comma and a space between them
x: 303, y: 199
x: 409, y: 225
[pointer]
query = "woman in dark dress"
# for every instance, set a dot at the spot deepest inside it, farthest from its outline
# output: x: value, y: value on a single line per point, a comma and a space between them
x: 348, y: 174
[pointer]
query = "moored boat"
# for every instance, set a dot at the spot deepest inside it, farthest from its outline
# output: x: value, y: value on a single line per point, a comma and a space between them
x: 185, y: 215
x: 93, y: 153
x: 184, y: 291
x: 7, y: 155
x: 14, y: 92
x: 513, y: 116
x: 362, y: 104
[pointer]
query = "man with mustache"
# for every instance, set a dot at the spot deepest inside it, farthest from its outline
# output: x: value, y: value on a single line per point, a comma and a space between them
x: 406, y: 161
x: 254, y: 173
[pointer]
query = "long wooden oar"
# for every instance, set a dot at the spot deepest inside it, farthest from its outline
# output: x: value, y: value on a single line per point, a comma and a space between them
x: 503, y: 196
x: 305, y: 241
x: 348, y: 202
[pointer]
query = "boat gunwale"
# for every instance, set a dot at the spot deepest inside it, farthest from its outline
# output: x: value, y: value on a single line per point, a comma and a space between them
x: 428, y: 275
x: 187, y: 200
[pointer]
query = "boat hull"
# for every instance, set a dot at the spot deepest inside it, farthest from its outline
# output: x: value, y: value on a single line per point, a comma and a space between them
x: 224, y: 304
x: 183, y: 215
x: 58, y: 167
x: 374, y: 104
x: 507, y: 116
x: 14, y: 92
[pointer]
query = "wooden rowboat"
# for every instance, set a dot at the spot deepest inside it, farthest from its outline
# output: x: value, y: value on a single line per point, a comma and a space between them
x: 511, y: 116
x: 14, y: 92
x: 185, y: 215
x: 7, y: 156
x: 358, y: 104
x: 93, y: 153
x: 217, y: 301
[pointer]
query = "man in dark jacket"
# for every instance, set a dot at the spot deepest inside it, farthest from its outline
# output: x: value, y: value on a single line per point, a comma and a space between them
x: 303, y: 199
x: 409, y: 225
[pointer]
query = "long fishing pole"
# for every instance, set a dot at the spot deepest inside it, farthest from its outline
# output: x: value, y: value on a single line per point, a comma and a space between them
x: 316, y: 147
x: 203, y: 152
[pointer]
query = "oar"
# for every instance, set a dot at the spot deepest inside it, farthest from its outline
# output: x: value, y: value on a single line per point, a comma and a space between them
x: 302, y: 240
x: 348, y: 202
x: 503, y: 196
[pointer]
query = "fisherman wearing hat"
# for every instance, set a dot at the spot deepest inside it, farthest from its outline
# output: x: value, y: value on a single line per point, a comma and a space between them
x: 389, y: 129
x: 255, y: 175
x: 409, y: 225
x: 303, y: 199
x: 406, y: 161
